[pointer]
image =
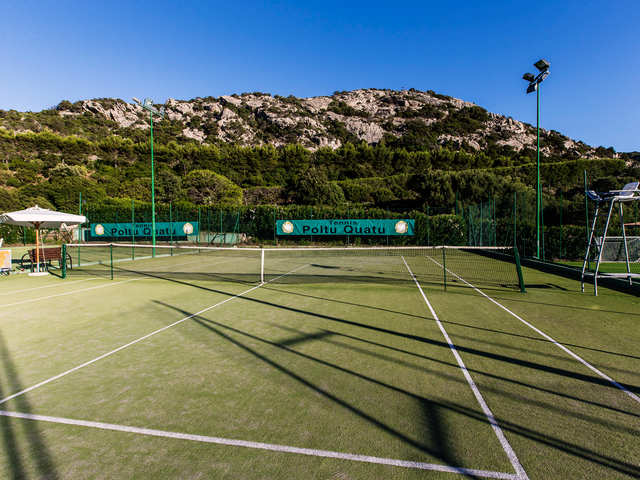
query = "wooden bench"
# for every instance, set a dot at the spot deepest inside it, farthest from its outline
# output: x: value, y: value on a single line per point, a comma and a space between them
x: 46, y: 256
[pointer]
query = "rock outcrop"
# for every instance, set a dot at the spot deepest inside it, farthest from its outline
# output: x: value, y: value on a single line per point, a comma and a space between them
x: 367, y: 115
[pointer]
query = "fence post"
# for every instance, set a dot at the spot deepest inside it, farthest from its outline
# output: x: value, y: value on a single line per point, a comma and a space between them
x: 444, y: 267
x: 428, y: 228
x: 544, y: 256
x: 133, y: 231
x: 515, y: 218
x: 560, y: 257
x: 524, y: 223
x: 63, y: 261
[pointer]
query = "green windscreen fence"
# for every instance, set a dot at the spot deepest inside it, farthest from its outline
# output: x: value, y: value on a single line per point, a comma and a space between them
x: 494, y: 266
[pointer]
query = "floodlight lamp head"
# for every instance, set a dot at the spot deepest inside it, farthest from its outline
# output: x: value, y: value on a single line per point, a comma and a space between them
x: 148, y: 102
x: 528, y: 77
x: 532, y: 87
x: 542, y: 65
x: 136, y: 100
x: 161, y: 113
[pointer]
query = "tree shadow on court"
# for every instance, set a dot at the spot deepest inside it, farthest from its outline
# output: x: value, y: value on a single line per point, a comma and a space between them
x: 421, y: 317
x: 333, y: 337
x: 435, y: 438
x: 509, y: 360
x: 11, y: 438
x: 435, y: 441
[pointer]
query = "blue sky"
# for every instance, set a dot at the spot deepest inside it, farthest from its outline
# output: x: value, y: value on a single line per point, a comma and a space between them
x: 476, y: 51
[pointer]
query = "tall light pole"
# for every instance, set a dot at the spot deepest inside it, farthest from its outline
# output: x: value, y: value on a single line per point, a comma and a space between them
x: 534, y: 86
x: 148, y: 105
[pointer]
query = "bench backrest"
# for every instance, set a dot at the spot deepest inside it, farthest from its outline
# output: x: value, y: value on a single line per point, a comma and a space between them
x: 46, y: 254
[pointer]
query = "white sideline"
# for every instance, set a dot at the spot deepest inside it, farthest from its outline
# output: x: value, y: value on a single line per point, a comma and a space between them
x: 556, y: 343
x: 91, y: 288
x: 46, y: 286
x: 122, y: 347
x: 521, y: 474
x: 264, y: 446
x: 139, y: 339
x: 67, y: 293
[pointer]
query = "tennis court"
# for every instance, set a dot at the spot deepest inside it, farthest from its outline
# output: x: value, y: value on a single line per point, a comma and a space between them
x: 337, y: 366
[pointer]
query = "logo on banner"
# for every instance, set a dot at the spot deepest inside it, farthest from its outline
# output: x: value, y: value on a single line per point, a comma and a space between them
x: 99, y: 230
x: 402, y: 227
x: 287, y: 227
x: 187, y: 229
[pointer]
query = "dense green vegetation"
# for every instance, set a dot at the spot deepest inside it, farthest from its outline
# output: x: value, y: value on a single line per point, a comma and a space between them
x: 51, y: 170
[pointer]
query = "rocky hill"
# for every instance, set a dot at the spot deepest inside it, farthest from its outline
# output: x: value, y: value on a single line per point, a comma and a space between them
x: 411, y: 119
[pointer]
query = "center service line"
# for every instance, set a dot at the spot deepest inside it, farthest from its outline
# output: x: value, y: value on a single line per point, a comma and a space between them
x: 521, y: 474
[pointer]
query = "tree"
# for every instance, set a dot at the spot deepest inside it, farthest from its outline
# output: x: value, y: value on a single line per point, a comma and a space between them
x: 205, y: 187
x: 313, y: 188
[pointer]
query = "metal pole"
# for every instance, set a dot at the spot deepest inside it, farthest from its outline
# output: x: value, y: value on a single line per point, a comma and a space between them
x: 444, y: 267
x: 153, y: 193
x: 133, y: 230
x: 428, y: 229
x: 560, y: 257
x: 515, y: 218
x: 524, y: 223
x: 538, y: 177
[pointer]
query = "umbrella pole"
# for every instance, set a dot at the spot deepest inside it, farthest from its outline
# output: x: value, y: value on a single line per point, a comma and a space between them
x: 38, y: 272
x: 37, y: 250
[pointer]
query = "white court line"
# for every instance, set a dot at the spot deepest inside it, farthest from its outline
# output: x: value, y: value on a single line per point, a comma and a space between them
x: 265, y: 446
x: 139, y: 339
x: 557, y: 344
x: 68, y: 293
x: 521, y: 474
x: 100, y: 286
x: 47, y: 286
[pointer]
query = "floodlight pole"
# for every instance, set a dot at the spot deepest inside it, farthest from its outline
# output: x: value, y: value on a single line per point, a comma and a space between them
x: 153, y: 188
x: 534, y: 84
x: 538, y: 191
x: 147, y: 105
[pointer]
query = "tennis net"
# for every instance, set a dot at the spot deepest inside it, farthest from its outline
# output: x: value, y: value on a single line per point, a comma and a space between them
x: 494, y: 266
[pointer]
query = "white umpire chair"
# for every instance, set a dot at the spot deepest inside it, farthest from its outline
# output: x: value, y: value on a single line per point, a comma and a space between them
x: 602, y: 248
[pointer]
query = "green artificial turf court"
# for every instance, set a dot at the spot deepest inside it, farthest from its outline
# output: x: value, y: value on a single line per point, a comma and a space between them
x: 188, y: 375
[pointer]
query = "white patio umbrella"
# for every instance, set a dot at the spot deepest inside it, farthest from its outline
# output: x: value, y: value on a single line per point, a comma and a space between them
x: 38, y: 218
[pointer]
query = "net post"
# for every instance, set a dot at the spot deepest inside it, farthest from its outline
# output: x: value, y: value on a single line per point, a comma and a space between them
x: 63, y: 261
x: 111, y: 254
x: 444, y: 267
x: 519, y: 269
x: 262, y: 267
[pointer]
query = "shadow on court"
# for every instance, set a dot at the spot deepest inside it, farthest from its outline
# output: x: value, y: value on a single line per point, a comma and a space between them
x: 12, y: 440
x: 435, y: 441
x: 435, y: 438
x: 510, y: 360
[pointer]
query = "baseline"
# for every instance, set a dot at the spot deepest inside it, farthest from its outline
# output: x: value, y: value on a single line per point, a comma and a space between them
x: 265, y: 446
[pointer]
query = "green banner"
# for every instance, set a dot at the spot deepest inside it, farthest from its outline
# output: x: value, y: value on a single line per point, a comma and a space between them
x: 163, y: 229
x: 345, y: 227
